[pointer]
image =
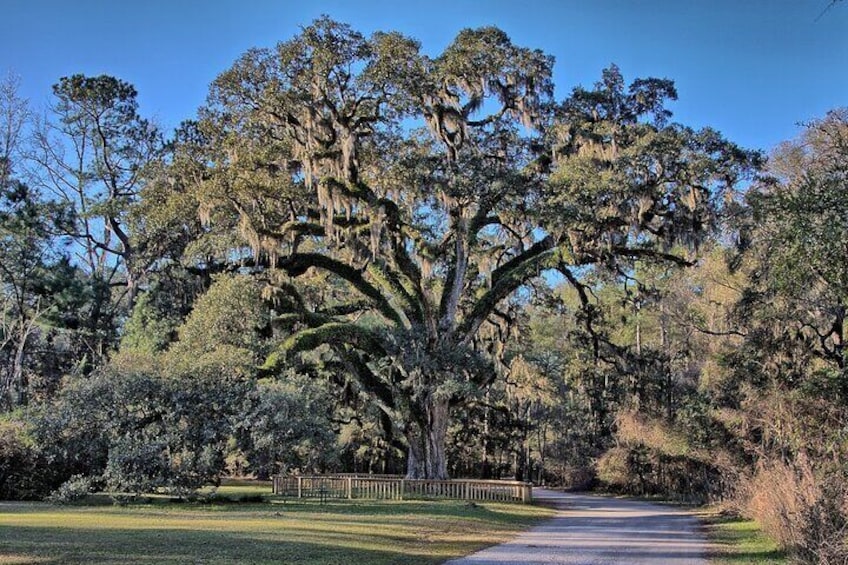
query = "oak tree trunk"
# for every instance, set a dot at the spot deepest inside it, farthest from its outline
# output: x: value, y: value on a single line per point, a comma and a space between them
x: 426, y: 436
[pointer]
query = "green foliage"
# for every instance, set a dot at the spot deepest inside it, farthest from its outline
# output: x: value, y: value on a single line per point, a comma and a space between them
x: 143, y: 431
x: 75, y: 489
x: 34, y: 284
x: 230, y: 314
x: 286, y: 426
x: 149, y: 329
x: 795, y: 302
x: 778, y: 386
x: 805, y: 211
x: 166, y: 423
x: 626, y: 182
x: 80, y: 448
x: 426, y: 233
x: 425, y: 254
x: 89, y: 155
x: 22, y: 476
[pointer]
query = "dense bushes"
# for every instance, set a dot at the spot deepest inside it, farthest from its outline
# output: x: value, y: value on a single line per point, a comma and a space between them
x: 171, y: 419
x: 285, y: 426
x: 138, y: 426
x: 806, y: 513
x: 136, y: 429
x: 798, y: 490
x: 23, y: 473
x: 653, y: 457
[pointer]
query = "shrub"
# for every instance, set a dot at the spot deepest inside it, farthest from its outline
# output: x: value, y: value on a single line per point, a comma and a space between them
x: 576, y: 477
x: 74, y: 489
x: 614, y: 469
x: 807, y: 514
x: 143, y: 430
x: 136, y: 465
x: 655, y: 457
x: 285, y: 425
x: 23, y: 476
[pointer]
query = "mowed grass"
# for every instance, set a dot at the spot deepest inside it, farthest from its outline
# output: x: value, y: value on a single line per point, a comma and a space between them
x: 340, y: 532
x: 737, y: 541
x: 240, y: 489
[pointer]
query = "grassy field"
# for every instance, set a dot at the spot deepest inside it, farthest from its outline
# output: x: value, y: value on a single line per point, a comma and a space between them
x: 344, y: 532
x: 737, y: 541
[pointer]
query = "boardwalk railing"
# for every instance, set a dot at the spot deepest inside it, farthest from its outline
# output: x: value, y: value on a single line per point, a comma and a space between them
x: 395, y: 487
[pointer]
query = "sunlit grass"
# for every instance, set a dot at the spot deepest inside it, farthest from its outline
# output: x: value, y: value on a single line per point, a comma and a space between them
x: 737, y: 541
x: 349, y: 533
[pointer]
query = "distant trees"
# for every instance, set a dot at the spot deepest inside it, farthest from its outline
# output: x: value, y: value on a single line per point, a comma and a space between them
x: 26, y: 258
x: 797, y: 233
x: 89, y: 155
x: 31, y: 269
x: 755, y: 337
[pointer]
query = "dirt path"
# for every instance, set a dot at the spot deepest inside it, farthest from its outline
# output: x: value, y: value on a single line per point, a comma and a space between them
x: 590, y: 530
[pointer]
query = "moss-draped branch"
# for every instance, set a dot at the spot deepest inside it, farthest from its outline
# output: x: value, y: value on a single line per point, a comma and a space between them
x: 298, y: 263
x: 329, y: 333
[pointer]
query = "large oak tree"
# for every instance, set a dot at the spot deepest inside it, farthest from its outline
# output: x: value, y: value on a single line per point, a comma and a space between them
x: 427, y: 193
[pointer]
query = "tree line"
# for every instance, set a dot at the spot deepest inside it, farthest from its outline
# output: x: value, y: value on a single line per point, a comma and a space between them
x: 360, y: 257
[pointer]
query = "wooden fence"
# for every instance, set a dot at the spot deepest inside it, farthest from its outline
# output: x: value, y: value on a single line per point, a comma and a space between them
x: 395, y: 487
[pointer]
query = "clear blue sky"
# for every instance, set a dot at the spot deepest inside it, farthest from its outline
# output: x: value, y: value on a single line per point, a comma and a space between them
x: 751, y: 68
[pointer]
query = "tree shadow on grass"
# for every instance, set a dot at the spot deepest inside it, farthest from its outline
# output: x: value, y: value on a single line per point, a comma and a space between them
x: 67, y: 544
x: 338, y: 532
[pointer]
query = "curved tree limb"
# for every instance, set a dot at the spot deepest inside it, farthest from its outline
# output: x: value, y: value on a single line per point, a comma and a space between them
x: 506, y: 279
x: 298, y: 263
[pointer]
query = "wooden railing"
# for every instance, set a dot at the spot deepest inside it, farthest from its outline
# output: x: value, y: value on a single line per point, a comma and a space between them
x: 395, y: 487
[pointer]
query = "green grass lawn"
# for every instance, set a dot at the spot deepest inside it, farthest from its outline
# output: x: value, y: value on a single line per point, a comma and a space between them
x: 343, y: 532
x: 737, y: 541
x: 240, y: 489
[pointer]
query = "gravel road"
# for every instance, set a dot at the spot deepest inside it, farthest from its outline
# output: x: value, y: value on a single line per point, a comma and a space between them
x: 591, y: 530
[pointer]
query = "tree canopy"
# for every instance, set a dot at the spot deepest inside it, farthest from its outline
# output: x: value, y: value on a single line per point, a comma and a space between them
x: 431, y: 190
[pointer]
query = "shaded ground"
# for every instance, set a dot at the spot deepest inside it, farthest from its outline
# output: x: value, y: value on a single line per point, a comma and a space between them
x: 293, y: 533
x: 589, y: 530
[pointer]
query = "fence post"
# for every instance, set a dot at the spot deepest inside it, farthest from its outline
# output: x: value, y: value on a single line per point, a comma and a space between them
x: 300, y: 487
x: 350, y: 488
x: 527, y: 494
x: 402, y: 488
